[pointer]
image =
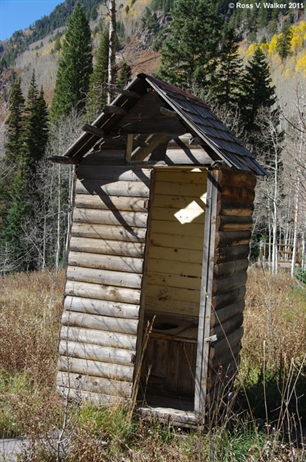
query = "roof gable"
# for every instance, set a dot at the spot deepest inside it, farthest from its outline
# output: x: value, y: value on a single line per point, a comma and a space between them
x: 142, y: 109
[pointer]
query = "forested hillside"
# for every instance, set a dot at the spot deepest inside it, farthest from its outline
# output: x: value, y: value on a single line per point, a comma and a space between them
x: 250, y: 71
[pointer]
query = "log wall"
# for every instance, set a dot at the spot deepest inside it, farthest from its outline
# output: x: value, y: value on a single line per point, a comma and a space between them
x: 104, y: 277
x: 235, y: 196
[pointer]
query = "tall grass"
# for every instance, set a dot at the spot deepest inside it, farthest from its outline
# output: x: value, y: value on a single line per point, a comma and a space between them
x: 264, y: 421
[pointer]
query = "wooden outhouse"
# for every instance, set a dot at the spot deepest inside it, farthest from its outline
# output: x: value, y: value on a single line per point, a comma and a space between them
x: 161, y: 228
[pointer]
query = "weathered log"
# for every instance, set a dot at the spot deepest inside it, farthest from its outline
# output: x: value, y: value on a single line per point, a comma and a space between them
x: 102, y: 292
x: 224, y: 285
x: 100, y: 385
x: 92, y: 321
x: 99, y: 337
x: 106, y: 232
x: 229, y: 254
x: 226, y: 327
x: 106, y: 262
x: 219, y: 347
x: 230, y: 223
x: 96, y: 352
x: 106, y: 247
x: 237, y: 209
x: 237, y: 194
x: 109, y: 278
x: 112, y: 109
x: 118, y: 188
x: 237, y: 178
x: 105, y: 202
x: 93, y: 130
x: 106, y: 217
x: 231, y: 267
x: 115, y: 173
x: 95, y: 368
x: 232, y: 238
x: 222, y: 315
x: 103, y: 308
x: 228, y: 298
x: 188, y: 156
x: 98, y: 399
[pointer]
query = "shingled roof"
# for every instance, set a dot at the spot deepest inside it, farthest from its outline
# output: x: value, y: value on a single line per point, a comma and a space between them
x: 193, y: 113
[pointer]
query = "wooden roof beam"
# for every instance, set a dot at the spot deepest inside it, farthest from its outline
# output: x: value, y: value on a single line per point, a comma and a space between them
x: 111, y: 109
x: 169, y: 113
x: 154, y: 141
x: 93, y: 130
x: 64, y: 160
x: 131, y: 94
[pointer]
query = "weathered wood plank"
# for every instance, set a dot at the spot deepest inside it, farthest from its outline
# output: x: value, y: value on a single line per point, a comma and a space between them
x: 101, y: 307
x: 237, y: 209
x: 223, y: 314
x: 106, y: 232
x: 176, y: 202
x: 167, y: 294
x: 106, y: 262
x: 194, y: 214
x: 183, y: 175
x: 102, y: 292
x: 230, y: 267
x: 106, y: 247
x: 167, y: 267
x: 232, y: 223
x: 174, y: 280
x: 232, y: 238
x: 99, y: 337
x: 105, y: 217
x: 114, y: 174
x: 96, y: 352
x: 176, y: 254
x: 107, y: 323
x: 181, y: 241
x: 180, y: 189
x: 95, y: 368
x: 115, y: 188
x: 228, y: 298
x: 179, y: 310
x: 109, y: 278
x: 228, y: 254
x: 100, y: 385
x: 104, y: 202
x: 176, y: 228
x: 223, y: 285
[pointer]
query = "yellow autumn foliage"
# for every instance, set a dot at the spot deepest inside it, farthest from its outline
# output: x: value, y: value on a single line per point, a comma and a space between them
x: 251, y: 49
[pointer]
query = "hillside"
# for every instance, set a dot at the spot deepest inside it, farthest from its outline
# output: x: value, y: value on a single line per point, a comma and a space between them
x: 139, y: 27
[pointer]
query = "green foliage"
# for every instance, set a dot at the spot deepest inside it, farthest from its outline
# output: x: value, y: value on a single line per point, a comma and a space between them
x: 98, y: 92
x: 124, y: 75
x: 284, y: 41
x: 185, y: 62
x: 300, y: 274
x: 13, y: 123
x: 227, y: 89
x: 75, y: 67
x: 257, y: 89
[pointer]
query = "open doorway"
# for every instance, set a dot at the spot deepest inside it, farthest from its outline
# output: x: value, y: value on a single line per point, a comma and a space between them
x: 173, y: 285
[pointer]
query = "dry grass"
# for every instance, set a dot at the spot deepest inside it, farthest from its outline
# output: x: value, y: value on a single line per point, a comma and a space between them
x: 273, y: 349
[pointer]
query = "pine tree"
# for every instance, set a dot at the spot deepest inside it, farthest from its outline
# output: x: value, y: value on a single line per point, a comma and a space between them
x: 97, y: 96
x: 124, y: 75
x: 227, y: 90
x: 14, y: 123
x: 257, y: 90
x: 188, y: 57
x: 75, y: 67
x: 283, y: 45
x: 34, y: 124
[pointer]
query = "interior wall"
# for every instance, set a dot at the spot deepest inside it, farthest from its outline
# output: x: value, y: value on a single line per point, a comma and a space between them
x: 176, y: 243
